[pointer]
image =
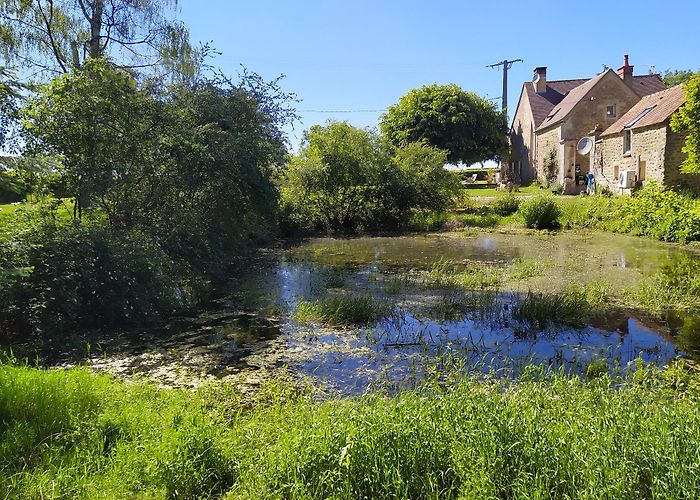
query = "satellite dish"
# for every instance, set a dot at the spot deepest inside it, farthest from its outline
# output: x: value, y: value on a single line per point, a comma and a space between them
x: 584, y: 146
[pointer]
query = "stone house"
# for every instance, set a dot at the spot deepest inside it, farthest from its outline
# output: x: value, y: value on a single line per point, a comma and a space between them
x: 642, y: 142
x: 552, y: 116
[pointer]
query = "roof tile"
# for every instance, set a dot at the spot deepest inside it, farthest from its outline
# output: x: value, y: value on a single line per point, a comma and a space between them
x: 665, y: 103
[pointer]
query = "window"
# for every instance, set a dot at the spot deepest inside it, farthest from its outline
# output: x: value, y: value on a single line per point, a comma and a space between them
x: 642, y: 175
x: 641, y: 115
x: 611, y: 111
x: 627, y: 142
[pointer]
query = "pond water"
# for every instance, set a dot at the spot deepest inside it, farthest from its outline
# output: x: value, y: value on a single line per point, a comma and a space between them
x: 430, y: 324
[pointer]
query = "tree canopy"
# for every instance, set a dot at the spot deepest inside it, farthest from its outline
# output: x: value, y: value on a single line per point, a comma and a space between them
x: 673, y: 77
x: 58, y: 35
x: 465, y: 125
x: 346, y: 179
x: 687, y: 121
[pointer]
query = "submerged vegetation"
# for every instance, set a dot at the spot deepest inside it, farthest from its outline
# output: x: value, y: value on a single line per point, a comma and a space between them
x: 73, y: 434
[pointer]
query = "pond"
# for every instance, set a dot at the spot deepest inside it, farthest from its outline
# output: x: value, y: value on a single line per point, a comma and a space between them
x: 444, y: 303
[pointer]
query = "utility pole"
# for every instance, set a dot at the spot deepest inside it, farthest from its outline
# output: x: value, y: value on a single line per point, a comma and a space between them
x: 506, y: 66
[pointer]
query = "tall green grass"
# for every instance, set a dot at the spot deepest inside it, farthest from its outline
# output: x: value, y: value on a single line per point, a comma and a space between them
x: 341, y: 310
x: 69, y: 434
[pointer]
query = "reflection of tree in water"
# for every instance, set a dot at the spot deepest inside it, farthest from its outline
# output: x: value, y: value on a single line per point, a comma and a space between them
x: 682, y: 273
x: 689, y: 335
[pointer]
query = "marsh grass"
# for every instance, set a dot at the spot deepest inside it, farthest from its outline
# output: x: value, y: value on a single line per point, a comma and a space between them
x: 540, y: 310
x: 70, y: 434
x: 450, y: 274
x: 341, y: 310
x: 524, y: 268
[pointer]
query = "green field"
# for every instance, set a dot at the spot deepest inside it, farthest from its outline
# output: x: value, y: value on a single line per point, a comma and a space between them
x: 489, y: 190
x: 71, y: 434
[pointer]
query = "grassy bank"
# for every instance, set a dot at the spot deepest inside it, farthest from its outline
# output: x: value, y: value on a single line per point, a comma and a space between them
x: 653, y: 211
x: 73, y: 434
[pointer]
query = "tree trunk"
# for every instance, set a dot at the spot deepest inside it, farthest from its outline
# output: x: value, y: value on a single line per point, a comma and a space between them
x: 95, y: 47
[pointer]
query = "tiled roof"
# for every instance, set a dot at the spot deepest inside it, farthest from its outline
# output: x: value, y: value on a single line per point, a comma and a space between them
x: 542, y: 104
x: 647, y: 84
x: 664, y: 103
x: 562, y: 109
x: 565, y: 94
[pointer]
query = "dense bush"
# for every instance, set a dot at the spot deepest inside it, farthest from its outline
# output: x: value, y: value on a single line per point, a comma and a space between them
x: 69, y: 434
x: 652, y: 211
x: 57, y: 277
x: 169, y: 186
x: 540, y: 213
x: 505, y: 205
x: 345, y: 179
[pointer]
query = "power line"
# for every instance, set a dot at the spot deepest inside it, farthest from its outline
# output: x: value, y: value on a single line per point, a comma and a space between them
x: 340, y: 110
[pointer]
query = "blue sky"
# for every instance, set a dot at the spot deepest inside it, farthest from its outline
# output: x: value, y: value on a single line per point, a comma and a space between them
x: 364, y: 55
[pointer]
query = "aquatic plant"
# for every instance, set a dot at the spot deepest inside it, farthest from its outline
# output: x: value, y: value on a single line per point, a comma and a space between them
x: 446, y: 273
x: 341, y: 310
x: 540, y: 310
x: 524, y: 268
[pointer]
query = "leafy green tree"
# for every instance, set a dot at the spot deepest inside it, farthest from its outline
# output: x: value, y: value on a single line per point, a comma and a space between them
x: 673, y: 77
x: 468, y: 127
x: 429, y: 185
x: 105, y: 129
x: 345, y: 179
x: 687, y: 121
x: 59, y: 35
x: 223, y: 149
x: 340, y: 181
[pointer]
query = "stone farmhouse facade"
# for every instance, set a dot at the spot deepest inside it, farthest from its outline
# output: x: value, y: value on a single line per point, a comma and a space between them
x: 642, y: 142
x: 552, y: 116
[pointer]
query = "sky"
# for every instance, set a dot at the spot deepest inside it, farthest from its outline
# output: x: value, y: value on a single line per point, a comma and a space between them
x: 362, y: 56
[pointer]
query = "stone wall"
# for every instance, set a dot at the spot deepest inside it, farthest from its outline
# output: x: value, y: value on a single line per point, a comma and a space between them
x: 592, y: 109
x: 673, y: 160
x: 547, y: 142
x: 656, y: 145
x: 522, y: 149
x: 589, y: 113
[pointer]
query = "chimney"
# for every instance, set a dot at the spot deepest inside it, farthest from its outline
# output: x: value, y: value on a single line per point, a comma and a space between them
x: 626, y: 71
x: 540, y: 80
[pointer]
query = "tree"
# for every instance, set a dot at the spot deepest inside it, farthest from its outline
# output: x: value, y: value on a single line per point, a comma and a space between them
x: 104, y: 128
x: 673, y: 77
x: 429, y: 185
x: 346, y: 180
x: 342, y: 180
x: 687, y: 121
x: 468, y: 127
x: 59, y: 35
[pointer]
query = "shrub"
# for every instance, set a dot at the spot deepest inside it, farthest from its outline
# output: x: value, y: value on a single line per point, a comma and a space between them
x: 506, y: 205
x: 60, y: 277
x: 541, y: 213
x: 345, y: 180
x: 654, y: 211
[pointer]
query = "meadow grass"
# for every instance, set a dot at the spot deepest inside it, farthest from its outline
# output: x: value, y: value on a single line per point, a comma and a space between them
x: 71, y: 434
x: 491, y: 191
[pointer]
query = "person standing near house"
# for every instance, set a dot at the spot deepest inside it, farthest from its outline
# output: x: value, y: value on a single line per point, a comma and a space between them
x: 590, y: 183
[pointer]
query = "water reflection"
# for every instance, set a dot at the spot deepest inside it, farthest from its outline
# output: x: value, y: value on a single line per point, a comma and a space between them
x: 254, y: 334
